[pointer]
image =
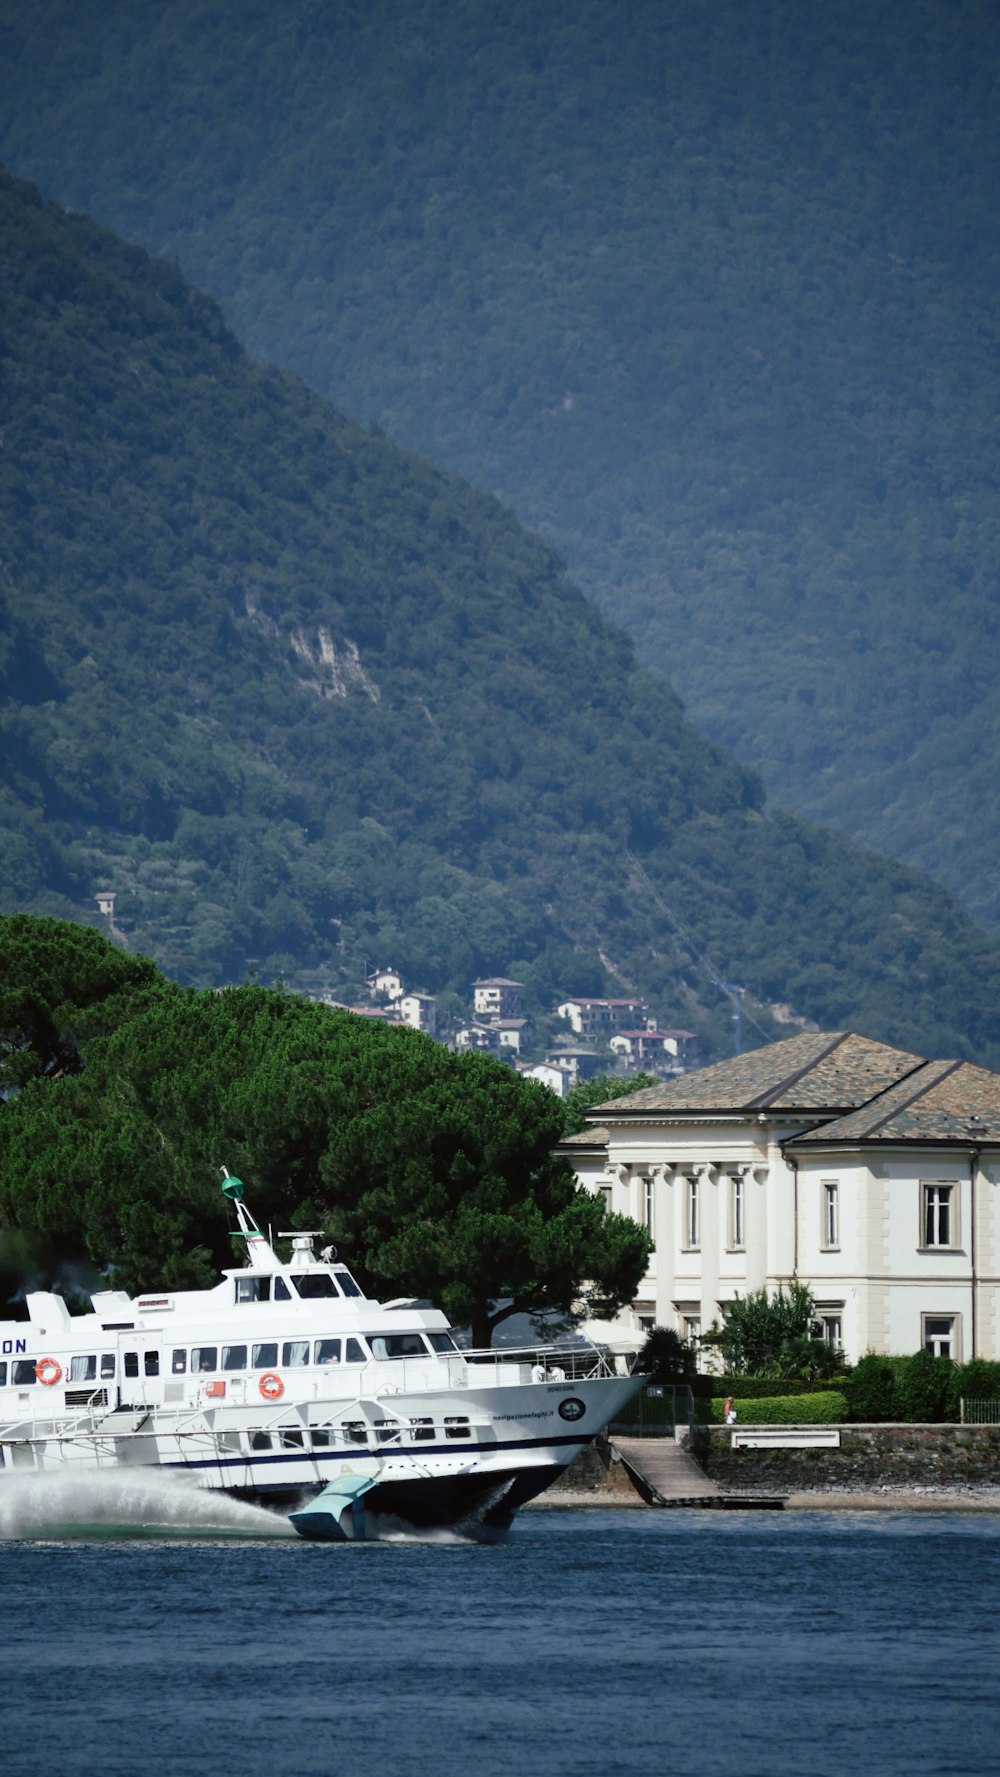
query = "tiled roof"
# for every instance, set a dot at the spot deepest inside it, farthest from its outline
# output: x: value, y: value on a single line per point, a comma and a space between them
x: 587, y: 1138
x: 817, y: 1072
x: 941, y: 1101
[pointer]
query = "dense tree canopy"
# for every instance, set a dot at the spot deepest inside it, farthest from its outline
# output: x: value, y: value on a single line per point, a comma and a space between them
x: 435, y: 1172
x: 709, y: 299
x: 61, y: 984
x: 306, y: 702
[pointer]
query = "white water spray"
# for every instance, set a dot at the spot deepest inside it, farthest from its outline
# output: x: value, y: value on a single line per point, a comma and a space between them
x: 143, y: 1502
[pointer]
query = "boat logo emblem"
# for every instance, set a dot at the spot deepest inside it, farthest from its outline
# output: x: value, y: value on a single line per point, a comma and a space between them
x: 571, y: 1408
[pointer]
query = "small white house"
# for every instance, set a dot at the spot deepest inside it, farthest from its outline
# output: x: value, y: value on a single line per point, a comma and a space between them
x: 386, y: 984
x: 555, y: 1075
x: 419, y: 1010
x: 864, y: 1171
x: 662, y: 1051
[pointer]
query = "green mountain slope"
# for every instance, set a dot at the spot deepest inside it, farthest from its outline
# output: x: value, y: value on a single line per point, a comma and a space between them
x: 305, y: 701
x: 707, y: 295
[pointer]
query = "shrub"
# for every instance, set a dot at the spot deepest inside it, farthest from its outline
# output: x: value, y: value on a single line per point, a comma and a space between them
x: 871, y: 1390
x: 978, y: 1380
x: 923, y: 1388
x: 666, y: 1357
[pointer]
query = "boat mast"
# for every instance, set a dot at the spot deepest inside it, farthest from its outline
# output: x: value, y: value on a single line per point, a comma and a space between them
x: 260, y: 1254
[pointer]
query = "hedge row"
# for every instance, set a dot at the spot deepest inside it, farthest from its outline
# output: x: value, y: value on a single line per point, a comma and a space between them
x: 918, y: 1390
x: 754, y: 1388
x: 828, y: 1407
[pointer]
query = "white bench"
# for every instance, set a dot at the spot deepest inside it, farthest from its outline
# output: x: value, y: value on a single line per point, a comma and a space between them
x: 787, y: 1437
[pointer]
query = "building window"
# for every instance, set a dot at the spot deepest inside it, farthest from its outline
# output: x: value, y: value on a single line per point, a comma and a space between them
x: 831, y: 1213
x: 736, y: 1201
x: 939, y: 1215
x: 692, y: 1233
x: 830, y: 1328
x: 605, y: 1192
x: 647, y: 1207
x: 940, y: 1335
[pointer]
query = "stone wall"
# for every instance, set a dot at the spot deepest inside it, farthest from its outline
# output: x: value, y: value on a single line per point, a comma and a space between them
x: 596, y: 1474
x: 870, y: 1456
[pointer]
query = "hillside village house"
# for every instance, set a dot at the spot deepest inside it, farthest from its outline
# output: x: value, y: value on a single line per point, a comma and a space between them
x: 386, y: 984
x: 659, y: 1051
x: 496, y: 997
x: 600, y: 1018
x: 418, y: 1010
x: 866, y: 1172
x: 495, y: 1036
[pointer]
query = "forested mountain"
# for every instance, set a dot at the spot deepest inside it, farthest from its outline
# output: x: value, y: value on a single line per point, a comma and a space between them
x: 707, y: 292
x: 305, y: 701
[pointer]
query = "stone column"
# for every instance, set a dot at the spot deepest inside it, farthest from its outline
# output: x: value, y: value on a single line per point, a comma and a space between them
x: 710, y: 1242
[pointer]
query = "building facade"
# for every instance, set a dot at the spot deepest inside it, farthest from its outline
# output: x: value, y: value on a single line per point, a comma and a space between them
x: 864, y: 1171
x: 600, y: 1018
x: 497, y: 997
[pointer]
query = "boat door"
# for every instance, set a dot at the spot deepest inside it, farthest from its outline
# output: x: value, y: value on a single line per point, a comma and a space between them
x: 139, y: 1362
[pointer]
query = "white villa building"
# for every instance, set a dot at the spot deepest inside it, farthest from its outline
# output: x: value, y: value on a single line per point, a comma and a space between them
x: 866, y: 1172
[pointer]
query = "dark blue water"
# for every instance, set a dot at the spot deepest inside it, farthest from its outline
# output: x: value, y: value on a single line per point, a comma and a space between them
x: 762, y: 1645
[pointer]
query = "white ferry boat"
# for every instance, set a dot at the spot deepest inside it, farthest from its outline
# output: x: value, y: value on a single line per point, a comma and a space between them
x: 287, y: 1386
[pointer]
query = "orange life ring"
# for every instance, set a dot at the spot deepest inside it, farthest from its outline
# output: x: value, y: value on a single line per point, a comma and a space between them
x: 48, y: 1371
x: 271, y: 1386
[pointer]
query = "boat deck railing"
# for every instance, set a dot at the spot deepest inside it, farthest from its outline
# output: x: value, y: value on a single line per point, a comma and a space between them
x: 365, y: 1426
x: 573, y: 1361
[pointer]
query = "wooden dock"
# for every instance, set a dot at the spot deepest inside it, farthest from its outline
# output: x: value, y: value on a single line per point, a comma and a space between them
x: 665, y: 1475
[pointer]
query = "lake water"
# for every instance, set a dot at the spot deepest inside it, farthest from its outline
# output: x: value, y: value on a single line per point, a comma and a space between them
x: 188, y: 1635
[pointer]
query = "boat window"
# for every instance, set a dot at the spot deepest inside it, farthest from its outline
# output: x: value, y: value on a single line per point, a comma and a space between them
x: 229, y: 1440
x: 3, y: 1375
x: 321, y: 1439
x: 131, y: 1363
x: 396, y: 1345
x: 311, y: 1285
x: 294, y: 1353
x: 205, y: 1358
x: 456, y: 1428
x: 179, y: 1362
x: 327, y: 1351
x: 23, y: 1371
x: 422, y: 1429
x: 265, y: 1356
x: 354, y: 1352
x: 282, y: 1293
x: 388, y: 1430
x: 354, y: 1431
x: 253, y: 1289
x: 151, y: 1363
x: 260, y: 1440
x: 107, y: 1363
x: 442, y: 1342
x: 348, y: 1284
x: 234, y: 1357
x: 290, y: 1438
x: 83, y: 1369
